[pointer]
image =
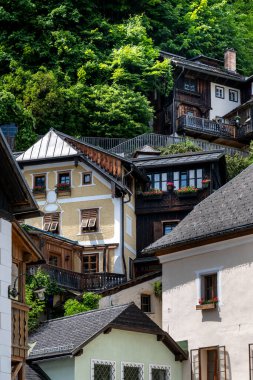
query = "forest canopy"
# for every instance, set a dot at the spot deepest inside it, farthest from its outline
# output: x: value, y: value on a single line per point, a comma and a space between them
x: 88, y: 67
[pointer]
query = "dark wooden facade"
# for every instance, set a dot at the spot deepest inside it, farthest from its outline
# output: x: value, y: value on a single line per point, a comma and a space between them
x: 155, y: 212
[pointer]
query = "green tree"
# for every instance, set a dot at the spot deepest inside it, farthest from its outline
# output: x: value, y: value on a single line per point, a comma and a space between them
x: 90, y: 301
x: 183, y: 147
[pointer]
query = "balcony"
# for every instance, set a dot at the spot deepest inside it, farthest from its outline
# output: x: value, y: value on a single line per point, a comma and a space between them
x: 200, y: 127
x: 80, y: 281
x: 19, y: 330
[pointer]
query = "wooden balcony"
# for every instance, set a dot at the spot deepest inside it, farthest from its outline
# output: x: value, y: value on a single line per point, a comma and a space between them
x: 80, y: 281
x: 200, y: 127
x: 19, y: 331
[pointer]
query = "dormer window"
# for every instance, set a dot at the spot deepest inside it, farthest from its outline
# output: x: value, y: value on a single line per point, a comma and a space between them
x: 190, y: 85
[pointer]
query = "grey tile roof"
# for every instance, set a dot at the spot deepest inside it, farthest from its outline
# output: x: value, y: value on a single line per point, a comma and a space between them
x: 202, y: 67
x: 31, y: 374
x: 65, y: 336
x: 179, y: 159
x: 227, y: 210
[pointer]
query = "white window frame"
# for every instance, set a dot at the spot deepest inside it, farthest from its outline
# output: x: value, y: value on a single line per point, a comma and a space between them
x: 102, y: 362
x: 157, y: 366
x: 132, y: 364
x: 219, y: 92
x: 204, y: 272
x: 236, y: 95
x: 98, y: 219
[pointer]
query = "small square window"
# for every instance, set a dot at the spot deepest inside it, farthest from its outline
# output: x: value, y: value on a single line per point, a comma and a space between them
x: 90, y: 263
x: 64, y: 178
x: 146, y: 303
x: 190, y: 85
x: 209, y: 287
x: 132, y: 371
x: 168, y: 227
x: 219, y: 92
x: 39, y: 185
x: 87, y: 178
x: 233, y: 95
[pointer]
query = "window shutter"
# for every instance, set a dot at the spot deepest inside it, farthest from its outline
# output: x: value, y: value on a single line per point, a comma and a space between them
x: 157, y: 230
x: 84, y: 223
x: 92, y: 222
x: 51, y: 222
x: 222, y: 363
x: 195, y: 365
x: 89, y: 220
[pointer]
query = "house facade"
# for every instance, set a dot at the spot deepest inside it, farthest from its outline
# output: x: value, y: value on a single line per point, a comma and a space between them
x: 207, y: 278
x: 16, y: 250
x: 87, y: 195
x: 205, y: 91
x: 118, y: 342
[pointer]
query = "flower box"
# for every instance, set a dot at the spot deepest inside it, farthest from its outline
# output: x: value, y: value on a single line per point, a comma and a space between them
x: 152, y: 194
x: 187, y: 195
x: 187, y: 192
x: 206, y: 306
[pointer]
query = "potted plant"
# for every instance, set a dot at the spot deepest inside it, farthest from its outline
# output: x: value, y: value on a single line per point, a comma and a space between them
x: 205, y: 183
x: 63, y: 187
x: 207, y: 304
x: 187, y: 192
x: 170, y: 186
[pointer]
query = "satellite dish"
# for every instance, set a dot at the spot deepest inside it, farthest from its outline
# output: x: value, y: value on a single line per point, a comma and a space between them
x: 51, y: 196
x: 51, y: 207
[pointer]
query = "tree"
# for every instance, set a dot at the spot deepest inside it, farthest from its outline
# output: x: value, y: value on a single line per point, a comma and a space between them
x: 183, y: 147
x: 90, y: 301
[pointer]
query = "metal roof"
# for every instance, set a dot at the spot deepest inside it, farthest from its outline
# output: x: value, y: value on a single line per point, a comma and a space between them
x: 49, y: 146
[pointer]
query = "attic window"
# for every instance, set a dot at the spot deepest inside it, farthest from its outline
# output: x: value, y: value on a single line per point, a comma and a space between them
x: 89, y: 220
x: 190, y: 85
x: 87, y: 178
x: 51, y: 222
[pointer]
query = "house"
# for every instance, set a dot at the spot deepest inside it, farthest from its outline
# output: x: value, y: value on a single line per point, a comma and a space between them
x: 208, y: 280
x: 113, y: 343
x: 144, y: 291
x: 157, y: 213
x: 16, y: 250
x: 87, y: 195
x: 205, y: 91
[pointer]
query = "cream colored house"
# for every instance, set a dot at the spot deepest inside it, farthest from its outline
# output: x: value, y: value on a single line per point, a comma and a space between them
x: 87, y: 195
x: 207, y: 264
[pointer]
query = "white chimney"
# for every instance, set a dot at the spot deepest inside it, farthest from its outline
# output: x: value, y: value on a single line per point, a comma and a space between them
x: 230, y: 60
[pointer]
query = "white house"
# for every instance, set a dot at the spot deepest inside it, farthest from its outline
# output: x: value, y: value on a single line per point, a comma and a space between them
x: 207, y: 263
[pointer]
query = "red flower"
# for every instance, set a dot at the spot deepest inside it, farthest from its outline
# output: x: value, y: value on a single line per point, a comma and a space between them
x: 170, y: 184
x: 215, y: 299
x: 201, y: 301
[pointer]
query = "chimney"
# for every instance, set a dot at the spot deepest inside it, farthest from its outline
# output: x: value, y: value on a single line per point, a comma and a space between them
x: 230, y: 60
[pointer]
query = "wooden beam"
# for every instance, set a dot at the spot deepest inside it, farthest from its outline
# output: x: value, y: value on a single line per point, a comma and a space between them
x: 16, y: 370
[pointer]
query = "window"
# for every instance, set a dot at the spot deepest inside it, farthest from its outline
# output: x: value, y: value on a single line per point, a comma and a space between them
x: 103, y: 369
x: 168, y: 227
x: 51, y: 223
x: 89, y: 220
x: 209, y: 286
x: 132, y: 371
x: 146, y: 303
x: 87, y: 178
x: 233, y: 95
x: 190, y: 85
x: 90, y: 263
x: 188, y: 178
x: 209, y: 363
x: 159, y: 372
x: 54, y: 260
x: 39, y: 183
x: 219, y: 92
x: 64, y: 178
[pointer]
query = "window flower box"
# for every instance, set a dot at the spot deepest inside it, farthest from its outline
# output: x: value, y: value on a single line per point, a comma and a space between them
x: 187, y: 192
x: 206, y: 306
x: 153, y: 194
x: 39, y: 191
x: 63, y: 189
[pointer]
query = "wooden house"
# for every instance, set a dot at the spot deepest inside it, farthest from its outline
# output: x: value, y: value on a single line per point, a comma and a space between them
x: 205, y: 91
x: 16, y: 250
x: 161, y: 206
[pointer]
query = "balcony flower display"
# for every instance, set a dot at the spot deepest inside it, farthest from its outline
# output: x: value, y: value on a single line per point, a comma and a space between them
x: 207, y: 304
x: 205, y: 183
x: 187, y: 191
x: 39, y: 189
x: 63, y: 187
x: 153, y: 193
x: 170, y: 185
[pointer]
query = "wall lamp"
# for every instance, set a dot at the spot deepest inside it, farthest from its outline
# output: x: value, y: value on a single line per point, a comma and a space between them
x: 39, y: 291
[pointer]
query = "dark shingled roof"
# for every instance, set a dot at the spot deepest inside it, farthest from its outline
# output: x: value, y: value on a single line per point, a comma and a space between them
x: 66, y: 336
x: 226, y: 211
x: 32, y: 374
x: 179, y: 159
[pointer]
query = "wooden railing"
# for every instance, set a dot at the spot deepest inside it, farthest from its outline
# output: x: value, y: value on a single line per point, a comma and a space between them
x: 207, y: 126
x: 80, y: 281
x: 19, y: 330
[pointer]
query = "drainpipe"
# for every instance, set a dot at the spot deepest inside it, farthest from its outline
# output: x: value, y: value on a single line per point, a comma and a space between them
x: 173, y: 103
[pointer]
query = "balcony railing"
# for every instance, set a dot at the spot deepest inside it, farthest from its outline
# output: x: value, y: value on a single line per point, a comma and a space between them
x: 80, y: 281
x: 19, y: 330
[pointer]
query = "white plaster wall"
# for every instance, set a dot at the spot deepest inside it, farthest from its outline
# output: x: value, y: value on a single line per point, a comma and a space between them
x: 5, y: 302
x: 133, y: 294
x: 231, y: 325
x: 222, y: 106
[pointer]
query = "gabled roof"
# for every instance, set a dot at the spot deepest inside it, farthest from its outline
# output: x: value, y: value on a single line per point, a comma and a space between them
x: 33, y: 372
x: 66, y: 336
x: 49, y: 146
x: 179, y: 159
x: 202, y: 67
x: 224, y: 213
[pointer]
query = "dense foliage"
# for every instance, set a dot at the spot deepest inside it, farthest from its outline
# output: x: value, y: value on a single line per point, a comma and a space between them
x: 90, y: 301
x: 87, y: 67
x: 183, y: 147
